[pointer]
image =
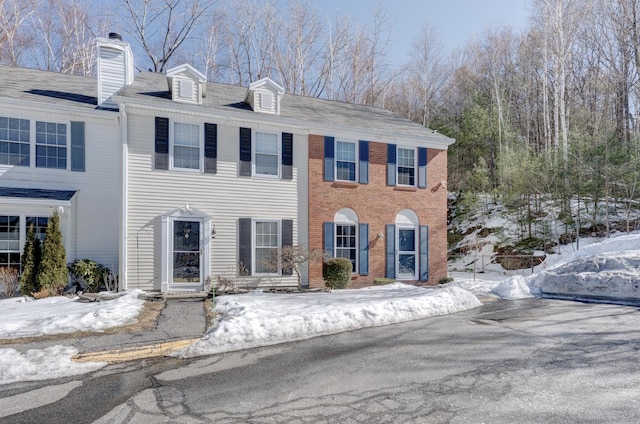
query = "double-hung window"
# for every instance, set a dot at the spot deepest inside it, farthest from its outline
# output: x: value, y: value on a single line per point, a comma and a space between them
x: 10, y: 241
x: 51, y: 145
x: 346, y: 160
x: 267, y: 154
x: 406, y: 166
x: 39, y: 226
x: 186, y: 146
x: 266, y: 244
x: 14, y: 141
x: 346, y: 244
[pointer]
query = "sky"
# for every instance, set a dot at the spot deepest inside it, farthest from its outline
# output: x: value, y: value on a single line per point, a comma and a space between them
x: 455, y: 21
x: 607, y: 269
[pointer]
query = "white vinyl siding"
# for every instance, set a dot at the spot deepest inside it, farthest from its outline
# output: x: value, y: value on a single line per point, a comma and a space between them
x: 222, y: 196
x: 90, y: 224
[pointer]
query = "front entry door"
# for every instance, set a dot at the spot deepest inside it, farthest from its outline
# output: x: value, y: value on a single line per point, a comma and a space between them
x: 186, y: 269
x: 406, y: 258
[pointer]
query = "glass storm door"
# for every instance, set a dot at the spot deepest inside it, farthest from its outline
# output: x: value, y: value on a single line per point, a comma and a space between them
x: 406, y: 265
x: 187, y: 264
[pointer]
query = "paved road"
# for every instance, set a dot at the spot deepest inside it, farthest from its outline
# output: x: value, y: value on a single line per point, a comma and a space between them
x: 530, y: 361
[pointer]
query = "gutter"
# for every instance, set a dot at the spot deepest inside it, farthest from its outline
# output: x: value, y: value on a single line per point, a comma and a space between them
x: 122, y: 272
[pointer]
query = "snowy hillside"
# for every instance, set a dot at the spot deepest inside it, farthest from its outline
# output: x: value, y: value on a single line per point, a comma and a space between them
x: 487, y: 236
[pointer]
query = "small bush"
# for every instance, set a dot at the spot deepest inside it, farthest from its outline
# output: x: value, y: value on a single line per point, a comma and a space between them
x: 337, y: 273
x: 445, y: 280
x: 88, y: 273
x: 9, y: 284
x: 382, y: 280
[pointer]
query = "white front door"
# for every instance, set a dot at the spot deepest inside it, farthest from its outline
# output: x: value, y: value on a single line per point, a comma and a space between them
x: 186, y: 264
x: 406, y: 256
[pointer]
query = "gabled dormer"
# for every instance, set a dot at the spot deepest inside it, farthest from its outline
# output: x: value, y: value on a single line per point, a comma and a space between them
x: 264, y: 96
x: 186, y: 84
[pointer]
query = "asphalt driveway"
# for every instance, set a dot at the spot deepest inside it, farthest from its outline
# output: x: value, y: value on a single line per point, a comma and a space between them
x: 528, y: 361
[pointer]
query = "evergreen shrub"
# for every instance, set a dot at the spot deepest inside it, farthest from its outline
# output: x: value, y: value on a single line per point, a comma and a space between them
x: 337, y: 273
x: 30, y: 262
x: 88, y: 273
x: 52, y: 274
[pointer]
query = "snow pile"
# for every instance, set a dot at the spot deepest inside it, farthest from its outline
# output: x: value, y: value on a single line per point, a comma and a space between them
x: 613, y: 275
x: 512, y: 288
x: 261, y: 319
x: 53, y: 362
x: 25, y: 317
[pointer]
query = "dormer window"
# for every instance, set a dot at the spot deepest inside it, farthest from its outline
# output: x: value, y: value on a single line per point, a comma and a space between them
x: 186, y: 84
x: 264, y: 96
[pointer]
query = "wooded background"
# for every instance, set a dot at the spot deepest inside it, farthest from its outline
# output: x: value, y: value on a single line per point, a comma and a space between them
x: 549, y: 111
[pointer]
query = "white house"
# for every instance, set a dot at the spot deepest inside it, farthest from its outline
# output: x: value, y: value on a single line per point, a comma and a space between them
x: 58, y: 152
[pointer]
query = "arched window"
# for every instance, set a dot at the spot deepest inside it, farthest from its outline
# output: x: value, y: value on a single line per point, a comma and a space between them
x: 407, y: 223
x: 345, y: 237
x: 407, y: 248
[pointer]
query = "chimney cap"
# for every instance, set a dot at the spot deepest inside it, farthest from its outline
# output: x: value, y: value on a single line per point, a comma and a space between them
x: 115, y: 36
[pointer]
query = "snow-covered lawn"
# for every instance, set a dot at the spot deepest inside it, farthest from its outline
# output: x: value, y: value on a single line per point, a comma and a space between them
x: 261, y: 319
x: 607, y: 269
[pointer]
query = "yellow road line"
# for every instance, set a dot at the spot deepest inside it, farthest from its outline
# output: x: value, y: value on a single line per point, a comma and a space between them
x: 133, y: 353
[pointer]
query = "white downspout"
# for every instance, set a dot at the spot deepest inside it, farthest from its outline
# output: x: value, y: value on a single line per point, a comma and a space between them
x: 122, y: 275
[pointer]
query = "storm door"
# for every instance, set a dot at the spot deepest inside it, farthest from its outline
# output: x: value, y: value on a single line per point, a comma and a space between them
x: 186, y: 270
x: 406, y: 255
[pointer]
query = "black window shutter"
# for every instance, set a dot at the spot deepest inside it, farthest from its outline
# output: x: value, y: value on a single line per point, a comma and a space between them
x: 329, y: 154
x: 162, y: 143
x: 245, y: 152
x: 287, y: 241
x: 210, y: 148
x: 244, y: 243
x: 287, y: 156
x: 77, y: 147
x: 364, y: 162
x: 391, y: 165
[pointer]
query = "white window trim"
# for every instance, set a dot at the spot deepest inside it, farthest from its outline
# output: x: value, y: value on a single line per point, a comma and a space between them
x: 335, y: 164
x: 415, y: 166
x: 254, y: 149
x: 33, y: 144
x: 416, y: 253
x: 254, y: 247
x: 183, y: 214
x: 172, y: 167
x: 357, y: 247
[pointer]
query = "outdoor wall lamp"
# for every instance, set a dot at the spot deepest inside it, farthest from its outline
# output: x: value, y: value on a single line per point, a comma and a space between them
x: 381, y: 235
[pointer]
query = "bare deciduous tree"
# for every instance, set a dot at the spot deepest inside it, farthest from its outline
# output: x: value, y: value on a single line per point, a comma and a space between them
x: 162, y: 26
x: 14, y: 40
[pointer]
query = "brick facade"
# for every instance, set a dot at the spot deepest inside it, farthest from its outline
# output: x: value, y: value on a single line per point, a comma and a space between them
x: 377, y: 204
